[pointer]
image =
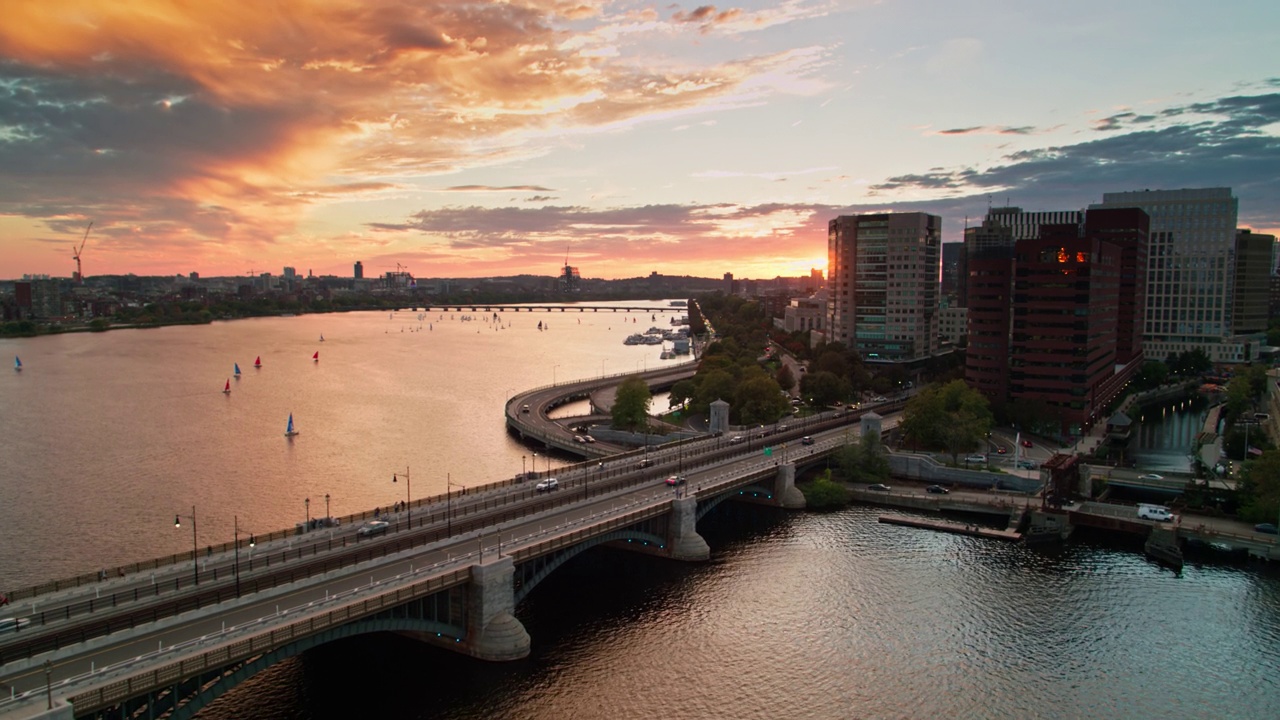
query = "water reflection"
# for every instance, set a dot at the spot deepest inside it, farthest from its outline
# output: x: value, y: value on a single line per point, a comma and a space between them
x: 1164, y: 436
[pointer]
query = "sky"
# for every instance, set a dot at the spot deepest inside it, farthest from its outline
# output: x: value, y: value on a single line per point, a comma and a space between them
x: 475, y: 139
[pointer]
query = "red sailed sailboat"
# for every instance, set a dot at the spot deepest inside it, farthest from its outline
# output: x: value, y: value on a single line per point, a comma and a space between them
x: 316, y: 357
x: 258, y: 362
x: 227, y: 390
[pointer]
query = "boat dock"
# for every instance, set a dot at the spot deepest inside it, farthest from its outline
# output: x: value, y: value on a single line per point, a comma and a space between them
x: 951, y: 527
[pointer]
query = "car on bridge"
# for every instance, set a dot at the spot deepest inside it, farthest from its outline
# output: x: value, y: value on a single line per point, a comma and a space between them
x: 1268, y: 528
x: 936, y: 490
x: 675, y: 480
x: 806, y: 440
x: 736, y: 439
x: 373, y: 527
x: 13, y: 624
x: 643, y: 463
x: 1150, y: 476
x: 547, y: 485
x: 878, y: 487
x: 524, y: 408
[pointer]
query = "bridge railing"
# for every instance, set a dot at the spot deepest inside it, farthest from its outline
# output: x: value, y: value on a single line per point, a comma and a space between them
x: 167, y: 675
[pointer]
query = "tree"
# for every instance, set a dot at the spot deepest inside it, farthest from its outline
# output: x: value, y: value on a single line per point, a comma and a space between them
x: 683, y: 392
x: 864, y: 461
x: 824, y: 388
x: 825, y: 493
x: 785, y: 379
x: 1260, y: 488
x: 715, y: 385
x: 758, y: 399
x: 952, y: 417
x: 631, y: 405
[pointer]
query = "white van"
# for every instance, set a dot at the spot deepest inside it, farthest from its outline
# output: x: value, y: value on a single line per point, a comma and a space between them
x: 13, y: 624
x: 1155, y: 512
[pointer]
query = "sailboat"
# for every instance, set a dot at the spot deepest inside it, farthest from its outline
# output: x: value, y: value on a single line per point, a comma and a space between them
x: 289, y: 431
x: 227, y: 390
x: 17, y: 363
x: 321, y: 337
x: 258, y: 362
x: 316, y: 357
x: 237, y: 370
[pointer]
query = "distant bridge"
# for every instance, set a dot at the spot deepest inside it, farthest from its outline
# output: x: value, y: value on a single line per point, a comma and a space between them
x: 541, y: 308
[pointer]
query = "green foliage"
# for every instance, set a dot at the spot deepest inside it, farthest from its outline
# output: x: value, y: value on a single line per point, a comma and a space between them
x: 1189, y: 362
x: 1152, y: 374
x: 758, y: 399
x: 785, y: 379
x: 1260, y: 488
x: 824, y: 493
x: 865, y: 461
x: 631, y: 405
x: 951, y: 417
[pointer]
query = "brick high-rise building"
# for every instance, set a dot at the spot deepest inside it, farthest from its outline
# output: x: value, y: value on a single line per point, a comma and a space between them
x: 882, y: 284
x: 1054, y: 319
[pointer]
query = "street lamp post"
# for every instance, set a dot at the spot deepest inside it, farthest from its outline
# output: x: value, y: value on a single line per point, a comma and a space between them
x: 195, y: 551
x: 448, y: 503
x: 535, y: 464
x: 408, y: 494
x: 252, y: 543
x: 326, y: 509
x: 307, y: 503
x: 523, y: 469
x: 599, y: 474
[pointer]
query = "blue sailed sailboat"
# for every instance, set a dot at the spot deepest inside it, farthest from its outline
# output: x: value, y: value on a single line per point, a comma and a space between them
x: 237, y: 370
x: 17, y: 363
x: 289, y: 431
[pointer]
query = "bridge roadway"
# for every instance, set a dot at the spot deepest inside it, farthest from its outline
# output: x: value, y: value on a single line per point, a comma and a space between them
x: 488, y: 308
x: 591, y: 496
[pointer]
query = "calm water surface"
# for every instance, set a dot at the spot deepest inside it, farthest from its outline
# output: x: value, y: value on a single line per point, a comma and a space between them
x: 107, y: 435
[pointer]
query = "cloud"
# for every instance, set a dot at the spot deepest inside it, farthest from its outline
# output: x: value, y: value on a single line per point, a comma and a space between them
x: 228, y: 123
x: 493, y: 188
x: 990, y: 130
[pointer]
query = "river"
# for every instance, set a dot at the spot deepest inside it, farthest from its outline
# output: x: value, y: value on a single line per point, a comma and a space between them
x: 798, y: 615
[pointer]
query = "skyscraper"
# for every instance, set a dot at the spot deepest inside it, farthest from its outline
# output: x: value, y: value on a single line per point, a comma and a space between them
x: 359, y: 270
x: 882, y: 284
x: 1190, y: 272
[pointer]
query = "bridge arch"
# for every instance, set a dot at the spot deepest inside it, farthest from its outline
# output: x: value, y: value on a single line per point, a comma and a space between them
x: 752, y: 490
x: 540, y: 570
x: 187, y: 707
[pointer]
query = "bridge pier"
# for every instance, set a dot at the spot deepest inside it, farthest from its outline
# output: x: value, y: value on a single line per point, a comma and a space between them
x: 493, y: 632
x: 686, y: 543
x: 785, y: 490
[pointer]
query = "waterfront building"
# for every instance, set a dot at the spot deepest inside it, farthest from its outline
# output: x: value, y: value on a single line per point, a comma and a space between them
x: 1054, y: 319
x: 1191, y: 272
x: 1252, y: 282
x: 359, y: 270
x: 883, y: 284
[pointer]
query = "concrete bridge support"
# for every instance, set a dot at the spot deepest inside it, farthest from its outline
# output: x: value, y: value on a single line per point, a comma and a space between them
x: 686, y: 543
x: 785, y: 490
x: 493, y: 632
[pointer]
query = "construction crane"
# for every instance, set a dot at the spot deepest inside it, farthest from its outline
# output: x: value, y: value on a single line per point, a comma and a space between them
x: 79, y: 278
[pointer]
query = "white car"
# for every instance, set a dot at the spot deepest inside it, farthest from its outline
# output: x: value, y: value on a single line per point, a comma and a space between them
x: 547, y: 485
x: 1151, y: 476
x: 975, y: 458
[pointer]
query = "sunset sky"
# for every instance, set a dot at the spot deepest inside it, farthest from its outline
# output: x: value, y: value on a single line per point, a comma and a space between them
x: 490, y: 138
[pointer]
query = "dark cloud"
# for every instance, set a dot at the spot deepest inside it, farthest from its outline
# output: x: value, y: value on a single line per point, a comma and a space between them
x: 1223, y: 144
x: 990, y: 130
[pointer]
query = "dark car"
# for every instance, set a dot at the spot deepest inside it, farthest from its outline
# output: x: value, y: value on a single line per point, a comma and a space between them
x: 937, y: 490
x: 1027, y: 443
x: 806, y: 440
x: 878, y: 487
x: 1265, y: 528
x: 644, y: 463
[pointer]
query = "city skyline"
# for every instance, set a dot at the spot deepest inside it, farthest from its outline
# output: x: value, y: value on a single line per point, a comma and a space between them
x: 497, y: 139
